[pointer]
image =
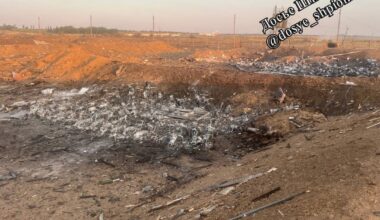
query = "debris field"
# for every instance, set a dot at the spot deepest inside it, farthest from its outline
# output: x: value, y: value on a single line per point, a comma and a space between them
x: 167, y: 132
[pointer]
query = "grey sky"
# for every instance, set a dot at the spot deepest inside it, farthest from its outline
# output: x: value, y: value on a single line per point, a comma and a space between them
x: 182, y: 15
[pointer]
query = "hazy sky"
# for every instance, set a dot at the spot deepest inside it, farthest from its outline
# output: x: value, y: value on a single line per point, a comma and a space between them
x: 182, y: 15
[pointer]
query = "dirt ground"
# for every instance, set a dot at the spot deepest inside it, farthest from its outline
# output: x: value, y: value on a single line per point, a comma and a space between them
x: 321, y: 144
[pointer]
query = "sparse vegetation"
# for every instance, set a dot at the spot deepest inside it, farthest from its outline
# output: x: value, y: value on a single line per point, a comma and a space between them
x: 332, y: 44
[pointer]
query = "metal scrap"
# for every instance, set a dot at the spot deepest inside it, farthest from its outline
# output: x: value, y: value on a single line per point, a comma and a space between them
x: 241, y: 180
x: 278, y: 202
x: 267, y: 194
x: 170, y: 203
x: 328, y: 67
x: 374, y: 125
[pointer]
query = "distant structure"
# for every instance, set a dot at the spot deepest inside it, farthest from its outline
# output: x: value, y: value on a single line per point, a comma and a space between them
x: 154, y: 24
x: 338, y: 31
x: 281, y: 25
x: 91, y: 33
x: 234, y: 31
x: 213, y: 34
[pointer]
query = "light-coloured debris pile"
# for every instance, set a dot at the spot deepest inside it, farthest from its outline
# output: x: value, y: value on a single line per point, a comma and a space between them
x: 140, y: 115
x: 328, y: 67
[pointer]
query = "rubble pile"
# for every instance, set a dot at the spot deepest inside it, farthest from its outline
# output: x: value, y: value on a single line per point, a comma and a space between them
x: 333, y: 67
x: 140, y: 114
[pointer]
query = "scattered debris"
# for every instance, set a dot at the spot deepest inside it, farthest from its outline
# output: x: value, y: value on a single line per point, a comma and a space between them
x: 101, y: 160
x: 316, y: 66
x: 47, y: 91
x: 254, y: 130
x: 179, y: 214
x: 227, y: 191
x: 133, y: 207
x: 280, y: 95
x: 19, y: 115
x: 340, y: 54
x: 60, y: 188
x: 239, y: 181
x: 372, y: 126
x: 142, y: 115
x: 296, y: 124
x: 36, y: 179
x: 106, y: 182
x: 87, y: 196
x: 168, y: 204
x: 281, y: 213
x: 202, y: 167
x: 148, y: 189
x: 5, y: 117
x: 278, y: 202
x: 266, y: 195
x: 348, y: 83
x: 170, y: 178
x: 20, y: 104
x: 10, y: 176
x: 206, y: 211
x: 101, y: 216
x: 309, y: 137
x: 72, y: 93
x: 374, y: 119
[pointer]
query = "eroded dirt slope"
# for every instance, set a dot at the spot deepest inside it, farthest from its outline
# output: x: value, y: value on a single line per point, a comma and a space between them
x: 70, y: 57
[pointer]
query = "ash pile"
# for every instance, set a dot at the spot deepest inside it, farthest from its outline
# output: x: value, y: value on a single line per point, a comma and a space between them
x: 140, y: 115
x: 325, y: 66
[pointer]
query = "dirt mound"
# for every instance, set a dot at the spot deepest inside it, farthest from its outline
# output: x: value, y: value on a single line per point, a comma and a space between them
x: 216, y: 56
x: 66, y: 58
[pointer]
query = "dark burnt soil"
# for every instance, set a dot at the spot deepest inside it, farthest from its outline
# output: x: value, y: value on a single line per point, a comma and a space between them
x: 50, y: 172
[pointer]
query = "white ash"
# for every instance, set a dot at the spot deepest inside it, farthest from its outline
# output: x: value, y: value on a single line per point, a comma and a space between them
x: 141, y: 115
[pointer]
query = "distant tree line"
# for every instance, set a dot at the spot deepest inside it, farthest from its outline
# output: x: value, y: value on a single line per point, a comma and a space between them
x: 6, y: 27
x: 74, y: 30
x: 62, y: 30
